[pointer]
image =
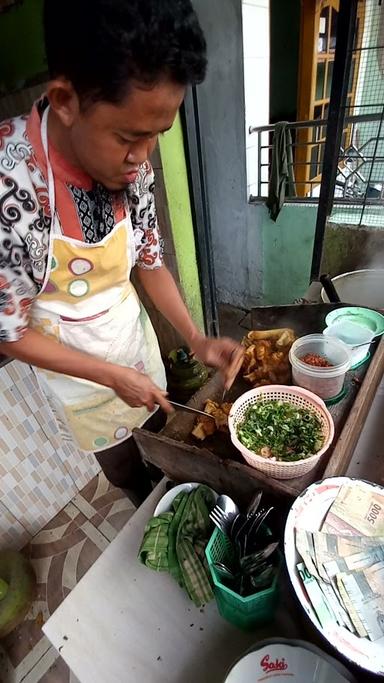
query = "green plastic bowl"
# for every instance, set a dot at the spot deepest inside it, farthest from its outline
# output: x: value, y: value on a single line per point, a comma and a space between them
x: 364, y: 317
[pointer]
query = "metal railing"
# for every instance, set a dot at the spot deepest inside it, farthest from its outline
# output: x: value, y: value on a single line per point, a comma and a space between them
x: 360, y: 177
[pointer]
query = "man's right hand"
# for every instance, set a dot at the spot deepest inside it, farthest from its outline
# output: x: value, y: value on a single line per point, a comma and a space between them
x: 137, y: 389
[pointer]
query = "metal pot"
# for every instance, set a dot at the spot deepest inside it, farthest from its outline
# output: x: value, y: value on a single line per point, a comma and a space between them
x: 360, y: 288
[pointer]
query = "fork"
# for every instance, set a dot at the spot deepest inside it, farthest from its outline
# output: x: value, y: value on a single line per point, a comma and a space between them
x: 221, y: 519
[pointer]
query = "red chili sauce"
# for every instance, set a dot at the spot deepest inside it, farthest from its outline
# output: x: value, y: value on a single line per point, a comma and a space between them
x: 316, y: 360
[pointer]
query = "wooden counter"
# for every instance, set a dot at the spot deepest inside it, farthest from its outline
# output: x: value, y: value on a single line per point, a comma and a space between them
x: 220, y: 465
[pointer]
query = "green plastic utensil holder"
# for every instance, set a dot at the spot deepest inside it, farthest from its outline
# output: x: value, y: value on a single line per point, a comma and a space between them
x: 246, y: 613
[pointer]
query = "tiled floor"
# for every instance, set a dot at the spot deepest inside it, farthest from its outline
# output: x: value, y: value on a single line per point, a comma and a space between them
x: 61, y: 554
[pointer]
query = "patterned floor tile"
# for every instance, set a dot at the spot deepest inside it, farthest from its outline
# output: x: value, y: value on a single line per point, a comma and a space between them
x: 36, y: 674
x: 58, y: 673
x: 107, y: 507
x: 61, y: 554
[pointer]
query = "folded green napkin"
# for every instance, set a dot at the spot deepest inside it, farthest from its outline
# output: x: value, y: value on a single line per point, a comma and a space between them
x: 175, y: 542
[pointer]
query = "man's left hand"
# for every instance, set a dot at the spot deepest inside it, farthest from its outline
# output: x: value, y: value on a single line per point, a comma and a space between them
x: 224, y: 354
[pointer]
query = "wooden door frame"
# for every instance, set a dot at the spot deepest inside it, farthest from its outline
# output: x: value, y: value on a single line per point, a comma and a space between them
x: 308, y: 61
x: 306, y: 84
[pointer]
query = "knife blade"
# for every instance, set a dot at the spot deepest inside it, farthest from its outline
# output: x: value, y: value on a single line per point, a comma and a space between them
x: 236, y: 364
x: 189, y: 409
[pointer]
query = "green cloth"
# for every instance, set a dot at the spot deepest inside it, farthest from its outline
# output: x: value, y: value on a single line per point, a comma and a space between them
x: 282, y: 176
x: 175, y: 542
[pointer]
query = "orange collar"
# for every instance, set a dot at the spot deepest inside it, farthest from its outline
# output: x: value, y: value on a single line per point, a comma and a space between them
x: 70, y: 175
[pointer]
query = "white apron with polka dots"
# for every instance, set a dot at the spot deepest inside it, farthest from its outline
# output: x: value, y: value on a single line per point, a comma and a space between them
x: 88, y: 303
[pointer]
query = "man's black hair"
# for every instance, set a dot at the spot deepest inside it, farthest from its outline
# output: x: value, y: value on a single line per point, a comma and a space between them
x: 101, y: 46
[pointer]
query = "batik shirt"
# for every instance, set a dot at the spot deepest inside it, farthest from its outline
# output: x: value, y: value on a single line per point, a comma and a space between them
x: 25, y: 218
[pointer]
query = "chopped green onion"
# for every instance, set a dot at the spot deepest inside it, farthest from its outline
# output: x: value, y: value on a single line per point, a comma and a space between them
x: 289, y: 432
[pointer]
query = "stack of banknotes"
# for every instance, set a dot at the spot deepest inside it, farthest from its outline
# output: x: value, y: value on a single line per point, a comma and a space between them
x: 342, y: 565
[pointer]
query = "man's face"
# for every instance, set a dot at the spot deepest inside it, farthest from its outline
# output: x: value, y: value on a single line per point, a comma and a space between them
x: 111, y: 141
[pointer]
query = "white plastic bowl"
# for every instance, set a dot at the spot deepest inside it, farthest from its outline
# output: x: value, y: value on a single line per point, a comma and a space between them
x: 356, y: 337
x: 272, y: 661
x: 324, y: 382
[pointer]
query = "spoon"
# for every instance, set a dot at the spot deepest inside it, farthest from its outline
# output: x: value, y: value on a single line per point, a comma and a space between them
x: 227, y: 505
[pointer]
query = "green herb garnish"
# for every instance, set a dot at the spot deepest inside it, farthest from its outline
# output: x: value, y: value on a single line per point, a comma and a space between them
x: 281, y: 431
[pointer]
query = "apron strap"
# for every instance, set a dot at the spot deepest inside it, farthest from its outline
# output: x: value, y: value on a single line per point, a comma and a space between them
x: 130, y: 232
x: 51, y: 182
x: 56, y: 228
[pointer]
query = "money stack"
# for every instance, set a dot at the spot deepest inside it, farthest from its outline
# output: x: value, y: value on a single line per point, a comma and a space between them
x: 342, y: 565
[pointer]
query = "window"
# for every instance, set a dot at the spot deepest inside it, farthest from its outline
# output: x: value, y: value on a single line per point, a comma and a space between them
x: 317, y: 54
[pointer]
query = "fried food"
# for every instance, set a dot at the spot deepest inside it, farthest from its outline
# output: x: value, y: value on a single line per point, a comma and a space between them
x: 205, y: 427
x: 266, y: 357
x: 283, y: 335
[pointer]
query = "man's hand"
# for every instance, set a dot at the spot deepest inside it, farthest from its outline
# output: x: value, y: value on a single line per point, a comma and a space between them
x: 224, y: 354
x: 133, y: 387
x: 137, y: 389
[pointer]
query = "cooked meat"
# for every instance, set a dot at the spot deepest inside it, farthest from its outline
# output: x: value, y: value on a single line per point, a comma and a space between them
x: 266, y: 452
x: 226, y: 408
x: 266, y: 358
x: 205, y: 426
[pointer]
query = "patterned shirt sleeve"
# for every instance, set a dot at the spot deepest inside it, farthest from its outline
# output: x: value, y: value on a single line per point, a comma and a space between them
x: 141, y: 196
x: 17, y: 287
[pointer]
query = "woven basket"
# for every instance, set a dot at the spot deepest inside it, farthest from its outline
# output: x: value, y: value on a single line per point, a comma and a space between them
x: 297, y: 397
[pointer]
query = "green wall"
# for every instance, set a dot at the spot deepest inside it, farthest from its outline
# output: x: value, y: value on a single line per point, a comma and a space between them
x: 176, y: 183
x: 287, y: 252
x: 21, y: 44
x: 284, y: 58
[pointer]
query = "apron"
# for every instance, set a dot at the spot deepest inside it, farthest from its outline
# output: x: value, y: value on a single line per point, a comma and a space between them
x: 88, y: 303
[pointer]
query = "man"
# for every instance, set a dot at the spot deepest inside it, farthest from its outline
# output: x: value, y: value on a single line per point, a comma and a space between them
x: 77, y: 214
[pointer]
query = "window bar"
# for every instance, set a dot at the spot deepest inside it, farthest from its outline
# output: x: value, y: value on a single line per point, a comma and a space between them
x: 259, y: 134
x: 373, y: 159
x: 339, y: 90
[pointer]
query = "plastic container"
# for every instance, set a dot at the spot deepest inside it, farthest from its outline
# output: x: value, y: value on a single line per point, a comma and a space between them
x: 246, y: 613
x: 365, y: 317
x: 297, y: 397
x: 324, y: 382
x: 356, y: 337
x: 272, y: 660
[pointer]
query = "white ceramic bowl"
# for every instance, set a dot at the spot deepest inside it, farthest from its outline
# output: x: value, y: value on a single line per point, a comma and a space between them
x: 308, y: 511
x: 164, y: 504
